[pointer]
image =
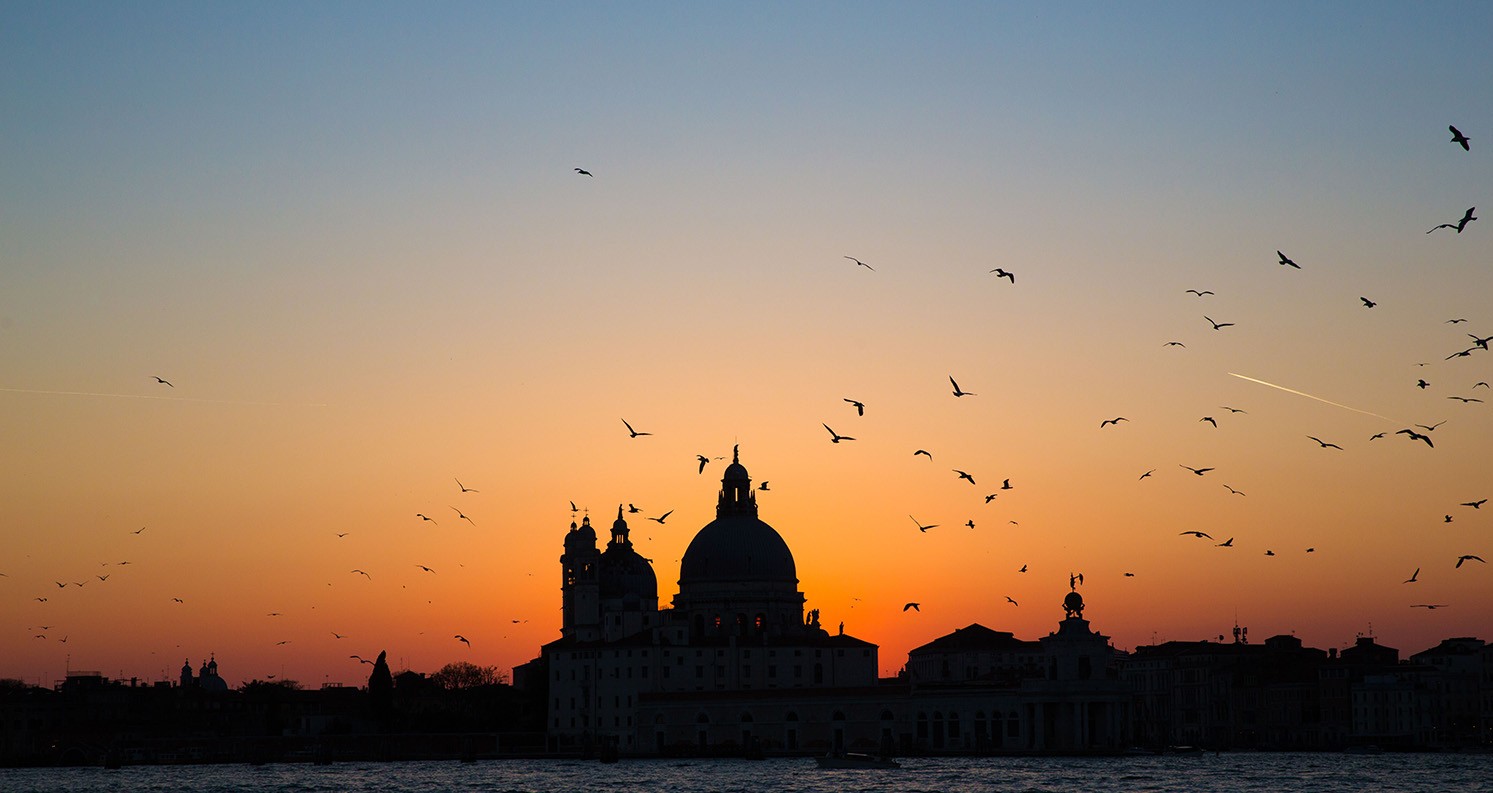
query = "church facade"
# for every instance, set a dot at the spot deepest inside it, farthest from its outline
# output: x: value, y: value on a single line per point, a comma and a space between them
x: 735, y: 664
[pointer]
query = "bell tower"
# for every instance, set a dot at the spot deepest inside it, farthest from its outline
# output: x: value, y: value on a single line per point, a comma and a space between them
x: 580, y: 583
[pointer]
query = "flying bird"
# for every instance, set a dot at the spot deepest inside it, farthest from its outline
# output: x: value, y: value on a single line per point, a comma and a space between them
x: 423, y: 516
x: 583, y: 172
x: 963, y: 475
x: 1115, y: 421
x: 970, y: 523
x: 1229, y: 543
x: 1198, y: 471
x: 1022, y: 570
x: 1174, y: 344
x: 1478, y: 504
x: 1459, y: 225
x: 361, y: 573
x: 1217, y: 325
x: 860, y: 407
x: 1429, y: 606
x: 835, y: 437
x: 1200, y: 293
x: 861, y: 263
x: 1210, y: 420
x: 462, y: 639
x: 632, y: 510
x: 958, y: 392
x: 913, y: 606
x: 999, y: 273
x: 162, y: 381
x: 361, y: 659
x: 1235, y: 492
x: 137, y: 531
x: 464, y: 488
x: 1285, y: 261
x: 426, y: 569
x: 1433, y: 427
x: 1148, y: 473
x: 1455, y: 321
x: 989, y: 497
x: 1413, y: 576
x: 1324, y: 444
x: 1012, y: 602
x: 1269, y: 552
x: 1458, y: 138
x: 1416, y: 436
x: 663, y: 517
x: 923, y: 452
x: 703, y: 460
x: 1233, y: 410
x: 1422, y: 384
x: 632, y: 433
x: 1367, y: 303
x: 1198, y: 534
x: 1466, y: 557
x: 1006, y: 484
x: 461, y: 516
x: 1465, y: 400
x: 921, y: 527
x: 762, y: 486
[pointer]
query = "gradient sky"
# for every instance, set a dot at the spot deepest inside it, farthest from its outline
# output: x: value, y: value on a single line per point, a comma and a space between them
x: 351, y: 237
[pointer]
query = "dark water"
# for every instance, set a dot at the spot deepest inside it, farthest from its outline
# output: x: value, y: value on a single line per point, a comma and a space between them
x: 1226, y: 773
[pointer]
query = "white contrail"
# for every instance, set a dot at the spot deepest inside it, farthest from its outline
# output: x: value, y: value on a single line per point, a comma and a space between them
x: 168, y: 398
x: 1309, y: 396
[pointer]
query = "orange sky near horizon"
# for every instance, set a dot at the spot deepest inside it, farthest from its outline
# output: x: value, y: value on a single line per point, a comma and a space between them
x: 361, y: 255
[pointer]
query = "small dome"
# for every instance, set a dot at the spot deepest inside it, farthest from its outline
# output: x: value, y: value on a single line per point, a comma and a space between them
x: 627, y: 575
x: 581, y: 538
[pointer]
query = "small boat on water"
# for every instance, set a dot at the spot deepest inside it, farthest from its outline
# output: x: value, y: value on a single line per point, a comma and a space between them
x: 855, y: 760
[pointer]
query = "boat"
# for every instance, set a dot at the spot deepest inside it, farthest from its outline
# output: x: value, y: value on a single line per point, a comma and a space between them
x: 855, y: 760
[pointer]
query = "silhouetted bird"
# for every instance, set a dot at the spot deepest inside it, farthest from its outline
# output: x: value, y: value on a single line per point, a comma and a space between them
x: 1217, y: 325
x: 1198, y: 534
x: 1465, y: 400
x: 1455, y: 321
x: 1325, y: 444
x: 632, y: 433
x: 361, y: 659
x: 989, y: 497
x: 1005, y: 484
x: 462, y: 639
x: 632, y: 510
x: 703, y: 460
x: 970, y: 523
x: 1229, y: 543
x: 1235, y: 492
x: 1478, y: 504
x: 583, y: 172
x: 423, y: 516
x: 1429, y: 606
x: 1200, y: 293
x: 1459, y: 138
x: 1269, y: 552
x: 1174, y: 344
x: 923, y: 452
x: 963, y: 475
x: 958, y: 392
x: 1148, y: 473
x: 1367, y: 303
x: 861, y: 263
x: 1413, y: 576
x: 1012, y: 602
x: 762, y: 486
x: 1416, y: 436
x: 1459, y: 225
x: 1286, y: 260
x: 1198, y: 471
x: 1116, y: 421
x: 913, y: 606
x: 1433, y: 427
x: 1233, y: 410
x: 1022, y: 570
x: 860, y: 407
x: 663, y: 517
x: 1481, y: 343
x: 426, y: 569
x: 464, y: 488
x: 361, y: 573
x: 999, y: 273
x: 460, y: 516
x: 1467, y: 557
x: 162, y: 381
x: 835, y: 437
x: 1210, y: 420
x: 1422, y: 384
x: 920, y: 526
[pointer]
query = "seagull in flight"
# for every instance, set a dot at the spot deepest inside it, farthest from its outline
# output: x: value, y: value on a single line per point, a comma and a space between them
x: 460, y: 516
x: 1115, y: 421
x: 762, y: 486
x: 361, y: 573
x: 1235, y: 492
x: 1012, y: 602
x: 1433, y: 427
x: 861, y: 263
x: 923, y: 452
x: 963, y: 475
x: 1229, y: 543
x: 1006, y: 484
x: 1210, y: 420
x: 958, y: 392
x: 1198, y: 471
x: 1429, y: 606
x: 1465, y: 400
x: 426, y: 569
x: 860, y: 407
x: 1475, y: 504
x: 462, y: 639
x: 1413, y: 576
x: 1201, y: 292
x: 921, y: 527
x: 1416, y: 436
x: 1148, y: 473
x: 361, y: 659
x: 162, y: 380
x: 835, y: 437
x: 1422, y: 384
x: 632, y: 433
x: 1198, y: 534
x: 1325, y: 444
x: 1285, y: 261
x: 913, y: 606
x: 466, y: 489
x: 423, y: 516
x: 990, y: 497
x: 999, y: 273
x: 1233, y: 410
x: 1367, y: 303
x: 703, y: 460
x: 661, y: 518
x: 1175, y: 344
x: 1458, y: 138
x: 632, y: 510
x: 1217, y: 325
x: 1459, y: 225
x: 583, y: 172
x: 1466, y: 557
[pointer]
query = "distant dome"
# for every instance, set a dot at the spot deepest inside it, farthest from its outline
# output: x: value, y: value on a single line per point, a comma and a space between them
x: 626, y: 575
x: 581, y: 538
x: 734, y: 548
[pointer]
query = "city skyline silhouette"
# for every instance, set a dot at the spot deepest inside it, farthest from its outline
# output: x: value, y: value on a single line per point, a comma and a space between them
x: 321, y: 326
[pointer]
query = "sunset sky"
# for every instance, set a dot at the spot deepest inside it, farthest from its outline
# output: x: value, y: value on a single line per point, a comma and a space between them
x: 351, y: 237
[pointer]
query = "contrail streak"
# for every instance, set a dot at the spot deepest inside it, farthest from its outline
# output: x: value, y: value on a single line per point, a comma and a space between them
x: 167, y: 398
x: 1309, y: 396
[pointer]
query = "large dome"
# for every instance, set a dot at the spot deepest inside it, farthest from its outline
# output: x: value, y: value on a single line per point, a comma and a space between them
x: 737, y: 547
